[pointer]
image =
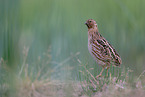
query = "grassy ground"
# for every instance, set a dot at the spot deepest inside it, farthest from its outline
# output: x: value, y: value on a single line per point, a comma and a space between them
x: 34, y: 83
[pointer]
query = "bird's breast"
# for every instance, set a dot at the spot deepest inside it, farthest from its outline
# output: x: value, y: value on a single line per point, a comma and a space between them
x: 89, y: 44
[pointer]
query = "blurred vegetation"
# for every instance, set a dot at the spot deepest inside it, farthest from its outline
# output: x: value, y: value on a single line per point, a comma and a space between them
x: 59, y: 25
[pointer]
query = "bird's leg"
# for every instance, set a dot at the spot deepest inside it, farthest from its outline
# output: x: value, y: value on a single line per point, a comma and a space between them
x: 107, y: 70
x: 100, y: 73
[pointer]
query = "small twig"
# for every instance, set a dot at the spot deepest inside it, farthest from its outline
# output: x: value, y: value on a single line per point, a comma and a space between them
x: 25, y: 52
x: 66, y: 60
x: 140, y: 75
x: 60, y: 64
x: 94, y: 86
x: 26, y: 71
x: 91, y: 75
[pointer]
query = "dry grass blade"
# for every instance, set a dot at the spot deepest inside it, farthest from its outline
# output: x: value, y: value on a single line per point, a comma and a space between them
x: 66, y: 60
x: 25, y: 52
x: 91, y: 75
x: 140, y: 75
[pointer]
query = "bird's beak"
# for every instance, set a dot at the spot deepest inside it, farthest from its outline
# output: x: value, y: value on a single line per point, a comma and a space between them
x: 87, y: 24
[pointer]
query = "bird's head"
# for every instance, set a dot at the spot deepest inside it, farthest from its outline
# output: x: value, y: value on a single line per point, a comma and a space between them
x: 91, y: 23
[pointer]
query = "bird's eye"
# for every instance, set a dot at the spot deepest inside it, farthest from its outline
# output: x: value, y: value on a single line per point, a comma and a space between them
x: 90, y: 21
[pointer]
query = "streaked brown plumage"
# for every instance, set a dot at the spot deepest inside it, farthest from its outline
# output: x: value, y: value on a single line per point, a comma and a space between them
x: 100, y: 49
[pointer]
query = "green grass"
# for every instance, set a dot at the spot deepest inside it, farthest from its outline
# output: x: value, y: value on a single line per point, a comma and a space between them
x: 35, y: 83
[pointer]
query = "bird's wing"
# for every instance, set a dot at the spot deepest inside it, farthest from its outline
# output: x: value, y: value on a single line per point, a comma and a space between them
x: 112, y: 52
x: 105, y: 51
x: 101, y: 50
x: 115, y: 56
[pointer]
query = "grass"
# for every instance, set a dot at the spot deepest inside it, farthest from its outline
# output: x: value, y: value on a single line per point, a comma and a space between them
x: 36, y: 80
x: 29, y: 83
x: 116, y: 85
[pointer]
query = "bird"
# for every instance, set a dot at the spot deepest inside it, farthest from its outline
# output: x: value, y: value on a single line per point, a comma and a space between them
x: 100, y: 49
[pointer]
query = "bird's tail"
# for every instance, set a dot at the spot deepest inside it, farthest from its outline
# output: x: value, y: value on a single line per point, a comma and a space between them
x: 117, y: 61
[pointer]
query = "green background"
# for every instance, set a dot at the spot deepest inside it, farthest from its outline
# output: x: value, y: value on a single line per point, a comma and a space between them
x: 59, y: 25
